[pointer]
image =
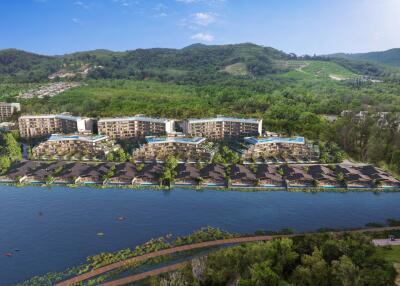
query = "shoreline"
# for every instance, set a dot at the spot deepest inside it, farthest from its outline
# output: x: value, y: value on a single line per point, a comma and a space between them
x: 156, y: 187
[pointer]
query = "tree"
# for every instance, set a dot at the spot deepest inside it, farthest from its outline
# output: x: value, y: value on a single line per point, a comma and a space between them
x: 120, y: 155
x: 345, y: 272
x: 5, y: 164
x: 10, y: 147
x: 261, y: 274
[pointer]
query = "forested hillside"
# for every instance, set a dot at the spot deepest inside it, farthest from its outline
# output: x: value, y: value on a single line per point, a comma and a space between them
x: 195, y: 64
x: 389, y: 57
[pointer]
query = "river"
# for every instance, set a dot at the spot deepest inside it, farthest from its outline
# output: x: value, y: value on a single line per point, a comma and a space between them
x: 54, y: 228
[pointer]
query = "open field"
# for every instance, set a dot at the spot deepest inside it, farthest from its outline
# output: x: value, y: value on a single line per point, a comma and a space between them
x: 320, y: 70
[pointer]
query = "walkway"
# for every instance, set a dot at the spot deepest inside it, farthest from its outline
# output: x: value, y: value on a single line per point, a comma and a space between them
x: 177, y: 249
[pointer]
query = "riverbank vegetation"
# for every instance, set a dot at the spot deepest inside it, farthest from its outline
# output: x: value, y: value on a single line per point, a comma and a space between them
x: 102, y: 259
x: 317, y: 259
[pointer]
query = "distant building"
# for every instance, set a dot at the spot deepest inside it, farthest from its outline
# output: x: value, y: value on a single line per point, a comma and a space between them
x: 134, y: 127
x: 292, y: 148
x: 184, y: 149
x: 72, y: 147
x: 222, y: 127
x: 42, y: 125
x: 8, y: 109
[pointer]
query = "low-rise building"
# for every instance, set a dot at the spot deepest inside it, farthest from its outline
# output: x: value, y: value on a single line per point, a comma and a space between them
x: 8, y: 126
x: 185, y: 149
x: 43, y: 125
x: 75, y: 147
x: 135, y: 127
x: 291, y: 149
x: 8, y: 109
x: 222, y: 127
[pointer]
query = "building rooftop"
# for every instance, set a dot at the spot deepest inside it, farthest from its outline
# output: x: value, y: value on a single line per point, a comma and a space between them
x: 223, y: 118
x: 267, y: 140
x: 95, y: 138
x: 61, y: 116
x: 185, y: 140
x: 134, y: 118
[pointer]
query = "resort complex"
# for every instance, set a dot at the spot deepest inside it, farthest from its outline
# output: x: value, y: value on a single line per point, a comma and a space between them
x: 8, y: 109
x: 74, y: 147
x: 44, y: 125
x: 222, y: 127
x: 186, y: 149
x: 273, y: 149
x: 134, y: 127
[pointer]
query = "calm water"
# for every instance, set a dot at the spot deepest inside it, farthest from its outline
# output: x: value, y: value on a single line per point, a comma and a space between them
x: 65, y: 233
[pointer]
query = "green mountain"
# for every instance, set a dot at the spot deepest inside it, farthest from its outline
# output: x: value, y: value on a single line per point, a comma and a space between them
x: 195, y: 64
x: 389, y: 57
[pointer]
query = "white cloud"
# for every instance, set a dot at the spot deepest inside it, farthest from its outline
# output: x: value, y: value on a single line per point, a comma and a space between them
x: 203, y: 18
x: 203, y: 37
x: 76, y: 21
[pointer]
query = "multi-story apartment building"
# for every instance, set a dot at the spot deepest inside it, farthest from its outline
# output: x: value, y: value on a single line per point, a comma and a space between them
x: 8, y: 109
x: 134, y: 127
x: 185, y: 149
x: 42, y: 125
x: 222, y: 127
x: 76, y: 147
x: 292, y: 148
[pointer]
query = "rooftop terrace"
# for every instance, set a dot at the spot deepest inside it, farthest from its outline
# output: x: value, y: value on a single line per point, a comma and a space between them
x: 269, y: 140
x: 158, y: 140
x: 96, y: 138
x: 222, y: 118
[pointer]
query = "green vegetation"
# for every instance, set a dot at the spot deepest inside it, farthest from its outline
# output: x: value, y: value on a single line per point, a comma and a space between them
x: 318, y: 259
x: 389, y: 253
x: 168, y: 173
x: 389, y: 57
x: 102, y: 259
x: 10, y: 151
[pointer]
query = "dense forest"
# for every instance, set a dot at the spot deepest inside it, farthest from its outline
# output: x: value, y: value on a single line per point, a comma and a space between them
x: 322, y: 260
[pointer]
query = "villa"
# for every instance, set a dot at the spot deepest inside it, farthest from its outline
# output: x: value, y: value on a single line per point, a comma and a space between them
x: 222, y: 127
x: 213, y: 175
x: 241, y: 175
x: 268, y: 176
x: 75, y: 147
x: 194, y: 149
x: 44, y: 125
x: 138, y: 126
x: 187, y: 174
x: 285, y: 149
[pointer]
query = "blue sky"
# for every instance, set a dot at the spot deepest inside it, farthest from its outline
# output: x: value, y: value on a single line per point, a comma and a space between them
x: 299, y: 26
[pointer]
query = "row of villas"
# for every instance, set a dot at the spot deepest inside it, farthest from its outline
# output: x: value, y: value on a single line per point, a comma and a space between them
x: 266, y: 176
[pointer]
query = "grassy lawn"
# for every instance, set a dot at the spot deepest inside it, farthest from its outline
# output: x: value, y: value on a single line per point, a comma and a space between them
x: 391, y: 253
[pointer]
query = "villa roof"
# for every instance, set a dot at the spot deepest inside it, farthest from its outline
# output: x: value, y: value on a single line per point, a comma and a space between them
x: 241, y: 172
x: 268, y: 172
x: 187, y: 171
x: 151, y: 171
x: 213, y: 171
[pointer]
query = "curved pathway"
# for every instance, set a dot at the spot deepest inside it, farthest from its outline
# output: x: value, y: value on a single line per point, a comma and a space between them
x: 200, y: 245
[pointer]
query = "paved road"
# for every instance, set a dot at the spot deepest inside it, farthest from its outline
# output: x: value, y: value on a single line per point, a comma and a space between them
x: 200, y: 245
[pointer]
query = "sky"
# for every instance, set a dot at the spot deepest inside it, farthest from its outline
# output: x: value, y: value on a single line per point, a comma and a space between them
x: 56, y: 27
